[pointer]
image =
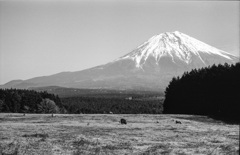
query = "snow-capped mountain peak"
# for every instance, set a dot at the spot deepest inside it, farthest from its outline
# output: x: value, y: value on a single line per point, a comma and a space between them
x: 176, y: 45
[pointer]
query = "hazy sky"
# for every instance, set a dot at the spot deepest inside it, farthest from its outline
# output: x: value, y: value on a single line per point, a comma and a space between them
x: 43, y: 38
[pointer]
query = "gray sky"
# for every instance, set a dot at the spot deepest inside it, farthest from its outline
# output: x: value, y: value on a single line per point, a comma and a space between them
x: 43, y: 38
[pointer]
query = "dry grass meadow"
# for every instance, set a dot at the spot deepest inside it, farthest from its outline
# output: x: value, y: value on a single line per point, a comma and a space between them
x: 103, y: 134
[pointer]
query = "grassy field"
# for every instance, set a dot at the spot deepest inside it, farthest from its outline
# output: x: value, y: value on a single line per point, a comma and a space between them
x: 103, y: 134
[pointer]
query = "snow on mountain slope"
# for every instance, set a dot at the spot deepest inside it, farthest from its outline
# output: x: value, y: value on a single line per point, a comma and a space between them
x: 175, y: 45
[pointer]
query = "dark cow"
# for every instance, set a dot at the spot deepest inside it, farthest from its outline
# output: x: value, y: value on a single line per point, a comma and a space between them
x: 123, y: 121
x: 178, y: 122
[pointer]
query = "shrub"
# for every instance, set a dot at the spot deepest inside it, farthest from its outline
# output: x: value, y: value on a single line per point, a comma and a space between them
x: 48, y: 106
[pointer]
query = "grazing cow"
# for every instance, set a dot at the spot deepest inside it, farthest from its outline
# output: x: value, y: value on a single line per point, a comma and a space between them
x: 110, y: 112
x: 123, y: 121
x: 178, y: 122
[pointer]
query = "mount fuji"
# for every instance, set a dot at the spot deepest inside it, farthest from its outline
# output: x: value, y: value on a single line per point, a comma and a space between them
x: 148, y: 67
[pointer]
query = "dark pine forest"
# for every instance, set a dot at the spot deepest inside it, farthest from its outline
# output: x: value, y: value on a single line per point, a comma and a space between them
x: 211, y: 91
x: 29, y: 101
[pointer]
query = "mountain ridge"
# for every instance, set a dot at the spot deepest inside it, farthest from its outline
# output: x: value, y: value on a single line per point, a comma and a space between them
x: 150, y: 66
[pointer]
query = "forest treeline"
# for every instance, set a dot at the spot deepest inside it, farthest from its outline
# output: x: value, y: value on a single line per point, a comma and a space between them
x: 88, y: 105
x: 29, y: 101
x: 211, y: 91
